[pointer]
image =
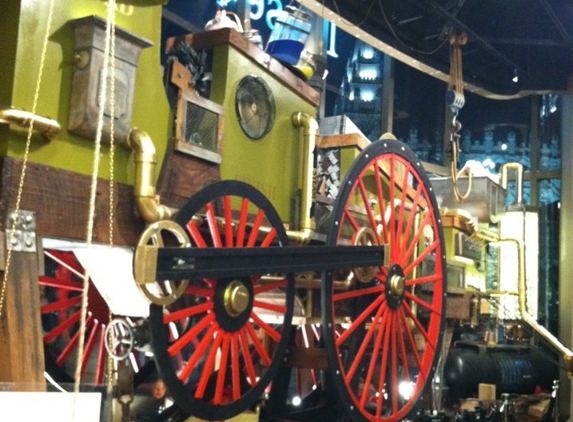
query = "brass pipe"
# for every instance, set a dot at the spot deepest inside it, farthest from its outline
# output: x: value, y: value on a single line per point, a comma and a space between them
x: 144, y: 187
x: 48, y: 127
x: 310, y: 137
x: 522, y: 297
x: 518, y: 168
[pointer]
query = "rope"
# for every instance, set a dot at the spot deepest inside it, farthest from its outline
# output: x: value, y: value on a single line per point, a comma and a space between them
x: 90, y: 223
x: 111, y: 180
x: 456, y: 84
x: 26, y: 153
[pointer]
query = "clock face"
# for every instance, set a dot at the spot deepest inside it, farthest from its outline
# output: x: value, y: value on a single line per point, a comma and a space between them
x: 255, y: 106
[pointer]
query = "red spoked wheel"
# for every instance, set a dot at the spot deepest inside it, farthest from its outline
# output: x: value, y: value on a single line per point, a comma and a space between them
x: 61, y: 312
x: 383, y: 336
x: 219, y: 345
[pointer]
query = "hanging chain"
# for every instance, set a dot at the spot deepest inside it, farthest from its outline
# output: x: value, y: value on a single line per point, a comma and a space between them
x: 25, y: 159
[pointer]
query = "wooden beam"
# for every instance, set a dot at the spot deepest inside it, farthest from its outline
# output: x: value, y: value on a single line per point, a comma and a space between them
x: 22, y: 357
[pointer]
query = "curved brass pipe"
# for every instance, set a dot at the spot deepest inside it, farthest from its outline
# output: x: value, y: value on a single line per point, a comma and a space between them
x: 522, y: 295
x: 48, y: 127
x: 310, y: 136
x: 144, y: 187
x: 518, y: 168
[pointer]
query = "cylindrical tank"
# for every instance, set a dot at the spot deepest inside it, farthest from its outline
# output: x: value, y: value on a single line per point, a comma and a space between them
x: 513, y: 369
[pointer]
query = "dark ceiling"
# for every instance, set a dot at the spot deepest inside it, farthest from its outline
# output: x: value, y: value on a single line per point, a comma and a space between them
x: 530, y: 38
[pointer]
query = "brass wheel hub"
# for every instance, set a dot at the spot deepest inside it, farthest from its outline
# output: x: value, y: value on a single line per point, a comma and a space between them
x: 397, y: 285
x: 236, y: 298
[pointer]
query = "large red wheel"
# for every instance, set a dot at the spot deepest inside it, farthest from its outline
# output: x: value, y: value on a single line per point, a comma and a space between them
x: 219, y: 345
x: 383, y: 335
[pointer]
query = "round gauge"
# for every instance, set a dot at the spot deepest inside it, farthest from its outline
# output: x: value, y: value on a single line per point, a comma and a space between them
x: 255, y: 106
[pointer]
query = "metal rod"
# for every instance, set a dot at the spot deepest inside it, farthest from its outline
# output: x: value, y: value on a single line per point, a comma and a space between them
x: 185, y: 263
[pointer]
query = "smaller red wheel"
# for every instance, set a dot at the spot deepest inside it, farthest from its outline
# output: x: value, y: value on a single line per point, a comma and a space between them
x: 219, y: 345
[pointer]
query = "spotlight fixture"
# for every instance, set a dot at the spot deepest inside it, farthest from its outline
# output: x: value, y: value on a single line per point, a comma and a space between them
x: 515, y: 78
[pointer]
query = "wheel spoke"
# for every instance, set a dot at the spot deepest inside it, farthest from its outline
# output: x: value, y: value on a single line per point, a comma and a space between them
x: 270, y: 306
x: 380, y: 194
x: 422, y: 303
x: 357, y: 293
x: 368, y: 208
x: 62, y: 327
x: 365, y: 343
x: 418, y: 324
x: 256, y: 227
x: 101, y: 360
x: 406, y: 257
x: 61, y: 305
x: 423, y: 280
x: 235, y: 368
x: 269, y: 238
x: 361, y: 318
x: 421, y: 257
x: 198, y: 353
x: 213, y: 228
x: 188, y: 312
x: 411, y: 219
x: 351, y: 220
x: 196, y: 234
x: 90, y: 343
x: 266, y: 327
x: 242, y: 222
x: 267, y: 287
x: 391, y: 222
x: 191, y: 334
x: 61, y: 284
x: 394, y: 364
x: 410, y: 338
x: 399, y: 237
x: 258, y: 345
x: 208, y: 368
x: 228, y: 222
x: 222, y: 369
x: 243, y: 336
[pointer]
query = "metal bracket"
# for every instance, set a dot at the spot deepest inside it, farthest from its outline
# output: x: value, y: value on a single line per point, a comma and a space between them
x: 21, y: 236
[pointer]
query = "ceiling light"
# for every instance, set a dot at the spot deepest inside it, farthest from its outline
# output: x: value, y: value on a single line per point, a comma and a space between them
x: 515, y: 78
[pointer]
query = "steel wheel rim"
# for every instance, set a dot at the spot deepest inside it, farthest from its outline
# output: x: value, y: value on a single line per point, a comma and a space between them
x: 221, y: 313
x: 385, y: 322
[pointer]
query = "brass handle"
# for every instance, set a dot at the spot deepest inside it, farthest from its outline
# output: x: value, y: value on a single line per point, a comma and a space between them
x: 48, y: 127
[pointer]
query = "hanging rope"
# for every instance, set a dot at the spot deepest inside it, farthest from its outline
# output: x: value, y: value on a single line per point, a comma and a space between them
x: 26, y: 153
x: 455, y: 99
x: 111, y: 177
x: 95, y: 167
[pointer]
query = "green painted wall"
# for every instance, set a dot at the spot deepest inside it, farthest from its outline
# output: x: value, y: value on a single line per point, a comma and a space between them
x: 23, y: 24
x: 271, y: 164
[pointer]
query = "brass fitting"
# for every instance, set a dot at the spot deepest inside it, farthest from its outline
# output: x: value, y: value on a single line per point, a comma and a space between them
x: 48, y: 127
x: 144, y: 187
x: 310, y: 137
